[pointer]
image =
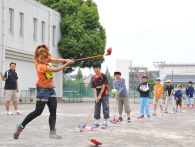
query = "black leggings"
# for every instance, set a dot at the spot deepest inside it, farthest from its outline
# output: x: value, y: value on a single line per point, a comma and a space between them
x: 52, y: 105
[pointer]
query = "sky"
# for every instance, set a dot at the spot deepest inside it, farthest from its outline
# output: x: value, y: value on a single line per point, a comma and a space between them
x: 145, y: 31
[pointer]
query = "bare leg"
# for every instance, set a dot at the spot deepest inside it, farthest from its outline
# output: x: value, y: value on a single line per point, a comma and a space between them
x: 155, y: 105
x: 7, y: 105
x: 161, y: 108
x: 128, y: 114
x: 15, y: 103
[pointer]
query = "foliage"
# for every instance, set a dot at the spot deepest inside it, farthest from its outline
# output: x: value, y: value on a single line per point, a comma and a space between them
x: 82, y: 33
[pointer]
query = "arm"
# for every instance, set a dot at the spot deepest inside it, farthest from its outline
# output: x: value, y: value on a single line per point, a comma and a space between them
x: 101, y: 92
x: 17, y: 89
x: 59, y: 60
x: 3, y: 76
x: 50, y: 69
x: 95, y: 94
x: 122, y: 86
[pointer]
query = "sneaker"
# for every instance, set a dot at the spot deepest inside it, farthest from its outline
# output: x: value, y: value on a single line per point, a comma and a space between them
x: 128, y: 119
x: 176, y: 110
x: 140, y: 117
x: 19, y: 129
x: 166, y: 112
x: 9, y: 113
x: 120, y: 119
x: 148, y: 116
x: 18, y: 112
x: 104, y: 126
x: 52, y: 135
x: 95, y: 125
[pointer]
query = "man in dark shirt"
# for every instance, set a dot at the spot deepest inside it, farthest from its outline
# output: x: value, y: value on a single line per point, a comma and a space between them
x: 169, y: 96
x: 11, y: 88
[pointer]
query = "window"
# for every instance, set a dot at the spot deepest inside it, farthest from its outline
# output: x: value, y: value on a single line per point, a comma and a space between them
x: 43, y: 31
x: 35, y: 29
x: 21, y: 24
x: 11, y: 23
x: 54, y: 35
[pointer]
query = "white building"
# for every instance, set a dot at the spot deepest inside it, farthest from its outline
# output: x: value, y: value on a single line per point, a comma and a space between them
x: 123, y: 66
x: 24, y: 24
x: 177, y: 69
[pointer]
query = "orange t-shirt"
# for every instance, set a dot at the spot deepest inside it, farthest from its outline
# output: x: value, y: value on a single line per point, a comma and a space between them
x: 44, y: 80
x: 158, y: 91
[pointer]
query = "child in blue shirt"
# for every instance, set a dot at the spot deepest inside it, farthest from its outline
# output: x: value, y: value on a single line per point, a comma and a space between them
x: 143, y: 89
x: 178, y: 98
x: 189, y: 95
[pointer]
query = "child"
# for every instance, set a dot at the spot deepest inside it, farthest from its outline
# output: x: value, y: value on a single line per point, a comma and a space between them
x: 169, y: 96
x: 119, y: 84
x: 45, y: 89
x: 158, y: 91
x: 100, y: 88
x: 189, y: 95
x: 178, y: 98
x: 144, y: 88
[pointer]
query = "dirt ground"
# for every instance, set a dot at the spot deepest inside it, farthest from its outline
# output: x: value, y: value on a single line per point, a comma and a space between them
x: 168, y: 130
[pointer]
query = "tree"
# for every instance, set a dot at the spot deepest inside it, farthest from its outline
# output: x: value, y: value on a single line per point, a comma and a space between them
x: 82, y: 33
x: 79, y: 75
x: 110, y: 79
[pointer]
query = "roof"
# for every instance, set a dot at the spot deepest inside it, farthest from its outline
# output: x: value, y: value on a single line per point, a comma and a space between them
x: 179, y: 78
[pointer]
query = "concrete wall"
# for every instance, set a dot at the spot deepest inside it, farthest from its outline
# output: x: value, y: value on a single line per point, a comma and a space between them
x: 20, y: 49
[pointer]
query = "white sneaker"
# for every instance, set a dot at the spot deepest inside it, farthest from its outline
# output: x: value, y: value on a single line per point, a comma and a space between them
x: 9, y: 113
x: 18, y: 112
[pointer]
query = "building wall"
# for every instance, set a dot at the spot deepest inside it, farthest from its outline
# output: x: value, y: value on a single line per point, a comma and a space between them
x: 123, y: 66
x: 20, y: 48
x: 185, y: 69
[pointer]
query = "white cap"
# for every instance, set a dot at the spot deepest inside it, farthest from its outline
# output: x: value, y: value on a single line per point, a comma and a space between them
x: 168, y: 81
x: 117, y: 71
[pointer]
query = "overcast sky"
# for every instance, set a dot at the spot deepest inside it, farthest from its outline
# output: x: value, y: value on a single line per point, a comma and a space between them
x: 148, y: 30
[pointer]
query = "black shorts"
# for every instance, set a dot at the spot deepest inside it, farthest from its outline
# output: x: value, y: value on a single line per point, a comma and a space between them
x: 178, y: 102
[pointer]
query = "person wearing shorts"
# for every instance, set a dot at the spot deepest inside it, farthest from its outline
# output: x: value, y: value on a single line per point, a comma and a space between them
x: 122, y: 96
x: 158, y: 94
x: 178, y: 98
x: 99, y: 83
x: 11, y: 88
x: 189, y: 95
x: 46, y: 94
x: 169, y: 96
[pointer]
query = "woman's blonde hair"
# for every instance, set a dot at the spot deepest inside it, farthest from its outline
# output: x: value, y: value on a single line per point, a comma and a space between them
x: 42, y: 50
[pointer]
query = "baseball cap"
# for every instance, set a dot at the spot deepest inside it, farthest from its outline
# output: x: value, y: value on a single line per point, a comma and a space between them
x: 158, y: 79
x: 168, y: 81
x: 144, y: 76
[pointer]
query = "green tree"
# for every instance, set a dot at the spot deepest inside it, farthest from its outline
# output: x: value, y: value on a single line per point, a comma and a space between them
x: 82, y: 33
x: 79, y: 75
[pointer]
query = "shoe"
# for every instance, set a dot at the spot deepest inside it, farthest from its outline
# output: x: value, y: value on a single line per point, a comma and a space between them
x: 95, y: 125
x: 128, y: 119
x: 154, y: 114
x: 19, y: 129
x: 176, y: 111
x: 9, y: 113
x: 166, y: 112
x: 148, y: 116
x: 18, y: 112
x: 120, y: 119
x: 140, y: 117
x: 104, y: 126
x: 52, y: 135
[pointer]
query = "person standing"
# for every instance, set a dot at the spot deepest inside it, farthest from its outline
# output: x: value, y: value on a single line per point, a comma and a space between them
x: 11, y: 88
